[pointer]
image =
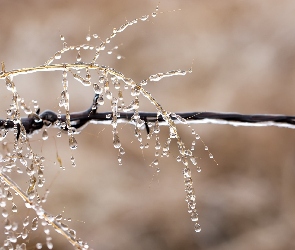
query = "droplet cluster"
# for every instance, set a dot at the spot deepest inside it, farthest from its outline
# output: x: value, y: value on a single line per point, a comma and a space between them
x: 110, y: 87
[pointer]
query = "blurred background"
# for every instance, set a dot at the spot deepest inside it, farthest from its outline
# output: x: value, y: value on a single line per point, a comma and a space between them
x: 243, y: 56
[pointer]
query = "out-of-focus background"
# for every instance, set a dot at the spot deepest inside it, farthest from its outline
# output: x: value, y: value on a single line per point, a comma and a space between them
x: 243, y: 55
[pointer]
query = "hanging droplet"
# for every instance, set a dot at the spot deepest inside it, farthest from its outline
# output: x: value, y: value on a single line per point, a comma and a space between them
x: 206, y: 148
x: 197, y: 227
x: 57, y: 55
x: 88, y: 38
x: 4, y: 213
x: 58, y: 134
x: 158, y: 170
x: 116, y: 141
x: 78, y: 58
x: 38, y: 245
x: 45, y: 135
x: 197, y: 137
x: 211, y: 155
x: 26, y: 221
x: 62, y: 38
x: 14, y: 208
x: 121, y: 151
x: 34, y: 224
x: 72, y: 142
x: 97, y: 89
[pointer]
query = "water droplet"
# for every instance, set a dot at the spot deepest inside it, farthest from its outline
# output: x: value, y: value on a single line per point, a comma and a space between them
x: 197, y: 137
x: 116, y: 141
x: 34, y: 224
x: 187, y: 172
x: 49, y: 244
x: 156, y: 162
x: 26, y: 221
x: 64, y: 226
x: 206, y: 148
x: 9, y: 196
x: 39, y: 246
x: 88, y: 38
x: 121, y: 151
x: 14, y: 208
x: 78, y: 58
x: 45, y: 135
x: 197, y: 227
x: 62, y: 38
x: 58, y: 134
x: 144, y: 18
x: 97, y: 89
x: 72, y: 142
x: 158, y: 170
x: 210, y: 155
x: 57, y: 55
x: 4, y: 213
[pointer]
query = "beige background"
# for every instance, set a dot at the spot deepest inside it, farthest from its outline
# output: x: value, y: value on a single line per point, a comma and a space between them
x: 243, y: 56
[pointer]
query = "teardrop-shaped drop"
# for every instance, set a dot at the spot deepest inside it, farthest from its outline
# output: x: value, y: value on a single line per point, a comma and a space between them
x: 73, y: 143
x: 45, y: 135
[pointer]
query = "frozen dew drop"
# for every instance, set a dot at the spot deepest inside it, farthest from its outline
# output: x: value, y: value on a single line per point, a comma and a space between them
x: 72, y: 233
x: 121, y: 151
x: 78, y: 58
x: 39, y: 246
x: 97, y: 89
x: 26, y: 221
x: 34, y: 224
x: 45, y: 135
x: 58, y: 134
x: 144, y: 18
x: 14, y: 208
x: 9, y: 196
x: 49, y: 244
x: 4, y: 213
x: 57, y: 55
x: 88, y: 38
x: 116, y: 141
x: 72, y: 142
x: 197, y: 227
x: 64, y: 226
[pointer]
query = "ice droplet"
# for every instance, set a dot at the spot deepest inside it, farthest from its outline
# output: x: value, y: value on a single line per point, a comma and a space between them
x: 14, y: 208
x: 38, y: 245
x: 57, y: 55
x: 35, y: 224
x: 78, y: 58
x: 73, y: 143
x: 45, y: 135
x: 197, y: 227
